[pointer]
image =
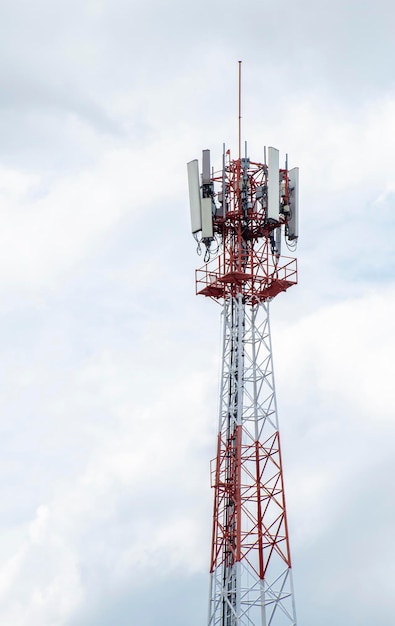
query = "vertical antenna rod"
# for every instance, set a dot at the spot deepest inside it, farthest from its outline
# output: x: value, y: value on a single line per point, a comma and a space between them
x: 239, y: 110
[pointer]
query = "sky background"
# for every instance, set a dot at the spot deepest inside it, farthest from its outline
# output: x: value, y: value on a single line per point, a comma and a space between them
x: 109, y: 363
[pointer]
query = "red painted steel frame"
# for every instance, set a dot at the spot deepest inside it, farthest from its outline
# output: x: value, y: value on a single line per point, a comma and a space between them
x: 246, y: 263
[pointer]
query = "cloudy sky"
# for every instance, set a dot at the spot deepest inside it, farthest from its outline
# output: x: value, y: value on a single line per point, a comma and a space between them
x: 109, y: 363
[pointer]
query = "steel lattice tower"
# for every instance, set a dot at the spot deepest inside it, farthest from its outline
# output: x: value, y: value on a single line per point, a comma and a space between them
x: 242, y: 213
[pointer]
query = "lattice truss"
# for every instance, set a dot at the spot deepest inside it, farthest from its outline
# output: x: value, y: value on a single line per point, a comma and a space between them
x: 251, y: 579
x: 247, y: 258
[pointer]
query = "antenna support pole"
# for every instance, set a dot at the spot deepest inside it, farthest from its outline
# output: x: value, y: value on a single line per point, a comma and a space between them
x: 239, y: 110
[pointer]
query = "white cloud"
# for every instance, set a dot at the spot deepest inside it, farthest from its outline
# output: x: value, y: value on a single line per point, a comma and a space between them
x: 130, y: 515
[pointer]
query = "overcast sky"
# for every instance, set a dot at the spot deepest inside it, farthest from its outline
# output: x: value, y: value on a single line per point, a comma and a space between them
x: 109, y: 363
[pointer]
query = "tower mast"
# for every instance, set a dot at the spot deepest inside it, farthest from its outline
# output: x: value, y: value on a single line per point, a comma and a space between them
x: 240, y: 215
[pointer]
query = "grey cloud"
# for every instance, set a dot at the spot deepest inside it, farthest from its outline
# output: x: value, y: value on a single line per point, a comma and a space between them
x: 168, y: 600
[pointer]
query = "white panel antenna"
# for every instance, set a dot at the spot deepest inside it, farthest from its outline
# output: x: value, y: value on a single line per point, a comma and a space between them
x: 207, y: 219
x: 194, y: 196
x: 206, y: 167
x: 207, y: 202
x: 273, y: 185
x: 293, y: 220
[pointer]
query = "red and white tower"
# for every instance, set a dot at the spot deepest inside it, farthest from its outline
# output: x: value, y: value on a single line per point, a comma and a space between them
x: 239, y: 217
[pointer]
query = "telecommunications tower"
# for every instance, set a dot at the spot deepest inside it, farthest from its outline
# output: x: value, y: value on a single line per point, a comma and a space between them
x: 239, y: 216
